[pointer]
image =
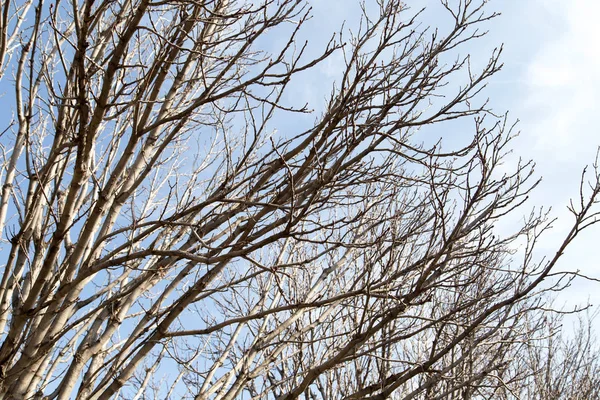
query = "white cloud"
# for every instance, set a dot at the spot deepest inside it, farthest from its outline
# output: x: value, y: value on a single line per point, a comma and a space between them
x: 563, y: 83
x: 560, y: 109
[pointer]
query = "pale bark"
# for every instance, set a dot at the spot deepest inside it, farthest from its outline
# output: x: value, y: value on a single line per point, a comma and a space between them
x: 161, y: 238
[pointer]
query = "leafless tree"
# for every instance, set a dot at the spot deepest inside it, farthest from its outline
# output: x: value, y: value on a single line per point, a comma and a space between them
x: 554, y: 362
x: 160, y: 238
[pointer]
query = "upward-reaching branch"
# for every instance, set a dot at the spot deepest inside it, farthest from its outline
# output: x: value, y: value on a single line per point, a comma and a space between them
x: 155, y: 224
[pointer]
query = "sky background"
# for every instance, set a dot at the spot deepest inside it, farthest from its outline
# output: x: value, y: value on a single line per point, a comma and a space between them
x: 550, y: 82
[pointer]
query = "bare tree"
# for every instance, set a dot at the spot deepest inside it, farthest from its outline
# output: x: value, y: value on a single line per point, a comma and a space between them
x: 554, y: 362
x: 161, y: 239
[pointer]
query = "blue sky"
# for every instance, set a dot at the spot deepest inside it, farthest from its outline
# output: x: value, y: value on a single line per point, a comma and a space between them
x: 551, y: 84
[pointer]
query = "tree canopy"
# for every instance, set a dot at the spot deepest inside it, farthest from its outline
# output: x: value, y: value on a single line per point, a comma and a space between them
x: 162, y: 238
